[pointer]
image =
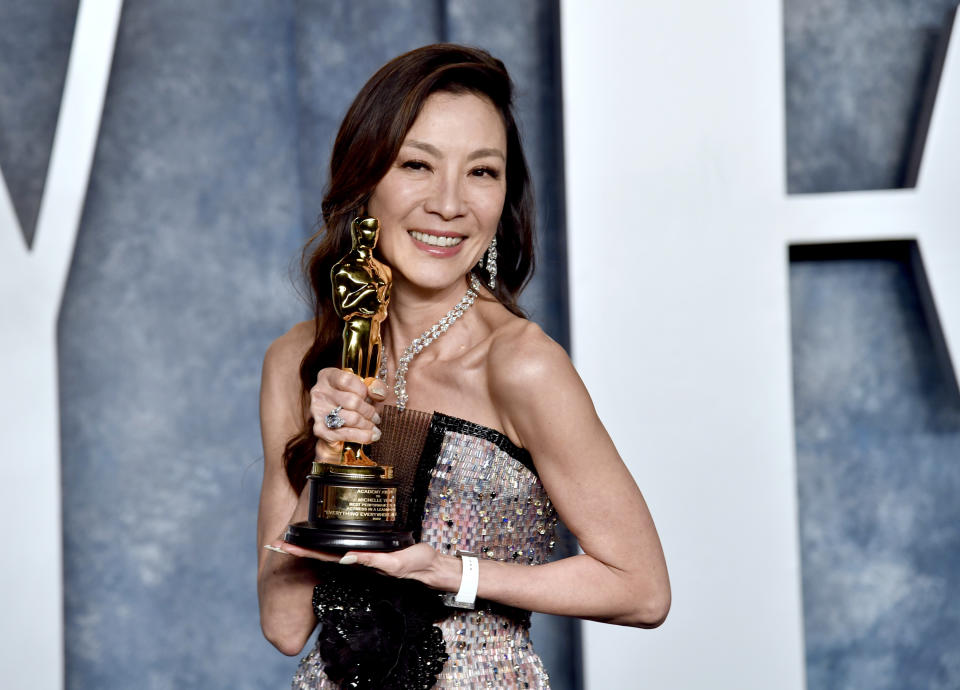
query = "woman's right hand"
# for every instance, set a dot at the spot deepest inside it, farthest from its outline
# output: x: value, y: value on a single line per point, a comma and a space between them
x: 356, y: 398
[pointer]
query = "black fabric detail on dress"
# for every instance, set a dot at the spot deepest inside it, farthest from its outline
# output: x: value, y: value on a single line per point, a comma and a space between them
x: 462, y: 426
x: 378, y: 632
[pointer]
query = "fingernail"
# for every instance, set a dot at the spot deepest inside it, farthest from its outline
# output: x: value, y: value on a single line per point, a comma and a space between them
x: 271, y: 547
x: 376, y: 434
x: 376, y: 418
x: 349, y: 559
x: 378, y: 388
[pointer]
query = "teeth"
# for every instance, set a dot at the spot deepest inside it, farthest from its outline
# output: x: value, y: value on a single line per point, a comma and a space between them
x: 435, y: 240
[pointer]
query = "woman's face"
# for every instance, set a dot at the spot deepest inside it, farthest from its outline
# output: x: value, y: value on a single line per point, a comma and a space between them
x: 441, y: 200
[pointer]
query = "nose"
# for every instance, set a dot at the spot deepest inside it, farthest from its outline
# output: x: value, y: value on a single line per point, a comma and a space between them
x: 446, y: 196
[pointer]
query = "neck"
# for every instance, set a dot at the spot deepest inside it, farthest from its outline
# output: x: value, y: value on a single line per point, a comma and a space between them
x: 429, y: 335
x: 412, y: 311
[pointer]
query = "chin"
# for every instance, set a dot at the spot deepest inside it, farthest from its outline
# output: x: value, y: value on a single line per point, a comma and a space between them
x: 436, y: 282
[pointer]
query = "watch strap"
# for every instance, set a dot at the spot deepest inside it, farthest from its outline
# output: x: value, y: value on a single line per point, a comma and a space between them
x: 466, y: 596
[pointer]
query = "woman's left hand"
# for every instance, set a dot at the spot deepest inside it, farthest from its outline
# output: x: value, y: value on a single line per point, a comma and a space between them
x: 419, y: 562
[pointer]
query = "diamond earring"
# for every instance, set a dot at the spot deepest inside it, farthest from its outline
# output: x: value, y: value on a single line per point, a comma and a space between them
x: 492, y: 263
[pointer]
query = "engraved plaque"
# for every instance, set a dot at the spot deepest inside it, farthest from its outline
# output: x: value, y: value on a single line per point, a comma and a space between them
x: 371, y: 504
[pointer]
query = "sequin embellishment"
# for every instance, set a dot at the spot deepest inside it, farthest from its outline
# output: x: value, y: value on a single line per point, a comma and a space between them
x: 484, y: 497
x: 483, y: 500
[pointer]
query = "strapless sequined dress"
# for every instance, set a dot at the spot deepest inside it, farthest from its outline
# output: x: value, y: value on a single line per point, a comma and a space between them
x: 474, y: 491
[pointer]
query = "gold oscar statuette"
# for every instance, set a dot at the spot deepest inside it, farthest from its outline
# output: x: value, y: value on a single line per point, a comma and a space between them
x: 353, y: 503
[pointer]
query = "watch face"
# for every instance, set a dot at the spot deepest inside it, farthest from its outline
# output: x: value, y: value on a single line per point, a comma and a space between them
x: 450, y: 599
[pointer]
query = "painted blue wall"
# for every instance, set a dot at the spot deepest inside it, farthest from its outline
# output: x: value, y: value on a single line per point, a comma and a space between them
x: 34, y: 47
x: 877, y: 419
x: 178, y: 283
x: 878, y: 449
x: 855, y: 76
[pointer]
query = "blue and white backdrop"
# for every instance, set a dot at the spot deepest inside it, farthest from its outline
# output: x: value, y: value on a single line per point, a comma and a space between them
x: 794, y: 424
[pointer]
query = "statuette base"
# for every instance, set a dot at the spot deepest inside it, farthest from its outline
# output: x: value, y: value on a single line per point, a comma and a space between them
x: 339, y: 540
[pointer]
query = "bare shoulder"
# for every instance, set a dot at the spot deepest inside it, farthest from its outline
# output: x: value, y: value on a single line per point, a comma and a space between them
x: 281, y: 364
x: 522, y: 358
x: 531, y: 379
x: 287, y: 351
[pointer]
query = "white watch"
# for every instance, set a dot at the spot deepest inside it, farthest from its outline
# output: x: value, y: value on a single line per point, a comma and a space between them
x: 466, y: 597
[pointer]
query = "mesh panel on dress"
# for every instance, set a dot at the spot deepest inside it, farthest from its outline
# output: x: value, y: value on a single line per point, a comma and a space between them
x: 400, y: 446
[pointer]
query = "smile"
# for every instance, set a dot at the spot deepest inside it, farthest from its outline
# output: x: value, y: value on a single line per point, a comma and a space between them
x: 435, y: 240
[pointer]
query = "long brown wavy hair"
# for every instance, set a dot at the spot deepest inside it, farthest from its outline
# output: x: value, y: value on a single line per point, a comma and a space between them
x: 367, y: 144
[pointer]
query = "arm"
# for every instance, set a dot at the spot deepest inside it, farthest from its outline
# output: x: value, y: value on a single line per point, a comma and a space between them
x: 621, y: 577
x: 284, y: 583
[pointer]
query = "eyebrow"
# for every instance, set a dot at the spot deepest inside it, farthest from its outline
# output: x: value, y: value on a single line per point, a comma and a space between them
x: 483, y: 153
x: 434, y: 151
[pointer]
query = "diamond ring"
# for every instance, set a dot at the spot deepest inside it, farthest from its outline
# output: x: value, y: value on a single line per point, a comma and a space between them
x: 334, y: 420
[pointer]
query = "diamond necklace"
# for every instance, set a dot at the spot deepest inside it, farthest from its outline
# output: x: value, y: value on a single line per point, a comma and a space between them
x: 427, y: 337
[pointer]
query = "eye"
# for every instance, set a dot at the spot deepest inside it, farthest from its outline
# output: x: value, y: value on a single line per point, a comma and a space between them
x: 485, y: 171
x: 415, y: 165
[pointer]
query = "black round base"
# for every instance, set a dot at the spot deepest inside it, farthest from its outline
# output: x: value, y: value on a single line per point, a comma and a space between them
x: 338, y: 541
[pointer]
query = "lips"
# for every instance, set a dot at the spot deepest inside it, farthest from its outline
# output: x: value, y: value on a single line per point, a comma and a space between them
x: 436, y: 240
x: 440, y: 245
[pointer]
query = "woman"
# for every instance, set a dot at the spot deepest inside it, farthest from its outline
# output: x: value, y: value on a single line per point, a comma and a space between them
x: 430, y: 147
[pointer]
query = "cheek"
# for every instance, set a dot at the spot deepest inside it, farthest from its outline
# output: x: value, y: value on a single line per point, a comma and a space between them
x: 376, y: 206
x: 383, y: 199
x: 493, y: 209
x: 392, y: 204
x: 389, y: 240
x: 392, y: 236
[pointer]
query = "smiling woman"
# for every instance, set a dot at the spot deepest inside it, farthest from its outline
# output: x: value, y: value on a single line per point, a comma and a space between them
x: 431, y: 148
x: 441, y: 200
